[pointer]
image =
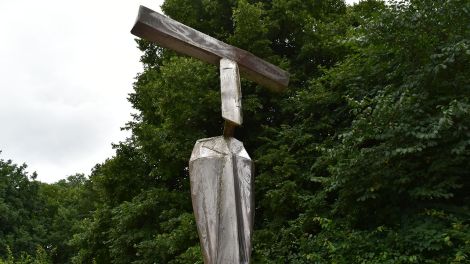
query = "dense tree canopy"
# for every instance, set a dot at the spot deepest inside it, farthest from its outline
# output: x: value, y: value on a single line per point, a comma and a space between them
x: 365, y: 159
x: 37, y: 220
x: 21, y: 227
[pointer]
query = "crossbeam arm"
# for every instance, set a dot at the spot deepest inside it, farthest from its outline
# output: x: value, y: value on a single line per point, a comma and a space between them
x: 174, y: 35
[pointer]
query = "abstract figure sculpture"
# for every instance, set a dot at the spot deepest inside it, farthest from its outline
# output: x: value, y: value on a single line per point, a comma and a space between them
x: 220, y: 169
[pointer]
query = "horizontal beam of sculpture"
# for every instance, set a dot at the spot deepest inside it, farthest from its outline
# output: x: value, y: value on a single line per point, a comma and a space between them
x: 174, y: 35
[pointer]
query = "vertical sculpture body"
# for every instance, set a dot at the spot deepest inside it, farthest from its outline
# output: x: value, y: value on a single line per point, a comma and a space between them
x: 222, y: 194
x: 221, y: 171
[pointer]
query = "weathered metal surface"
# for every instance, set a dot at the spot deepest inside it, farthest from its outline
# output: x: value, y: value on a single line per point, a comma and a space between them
x: 222, y: 194
x: 230, y: 91
x: 174, y: 35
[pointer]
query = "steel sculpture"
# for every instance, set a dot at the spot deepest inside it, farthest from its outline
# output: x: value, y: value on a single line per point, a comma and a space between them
x: 221, y: 171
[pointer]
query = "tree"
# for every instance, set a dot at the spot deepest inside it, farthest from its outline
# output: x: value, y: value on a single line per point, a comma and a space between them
x: 21, y: 221
x: 390, y: 176
x: 67, y: 202
x: 37, y: 220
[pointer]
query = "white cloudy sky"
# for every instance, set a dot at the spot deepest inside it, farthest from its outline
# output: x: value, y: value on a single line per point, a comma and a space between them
x: 66, y: 68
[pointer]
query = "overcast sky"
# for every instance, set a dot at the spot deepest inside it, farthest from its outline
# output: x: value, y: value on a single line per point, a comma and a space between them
x: 66, y: 68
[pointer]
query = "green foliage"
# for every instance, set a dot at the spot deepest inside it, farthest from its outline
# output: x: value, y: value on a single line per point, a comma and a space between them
x: 22, y: 226
x: 40, y: 257
x: 37, y: 219
x: 410, y: 127
x: 68, y: 202
x: 388, y: 177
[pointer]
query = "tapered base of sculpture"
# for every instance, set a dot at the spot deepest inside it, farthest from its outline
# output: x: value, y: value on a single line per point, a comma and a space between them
x: 222, y: 194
